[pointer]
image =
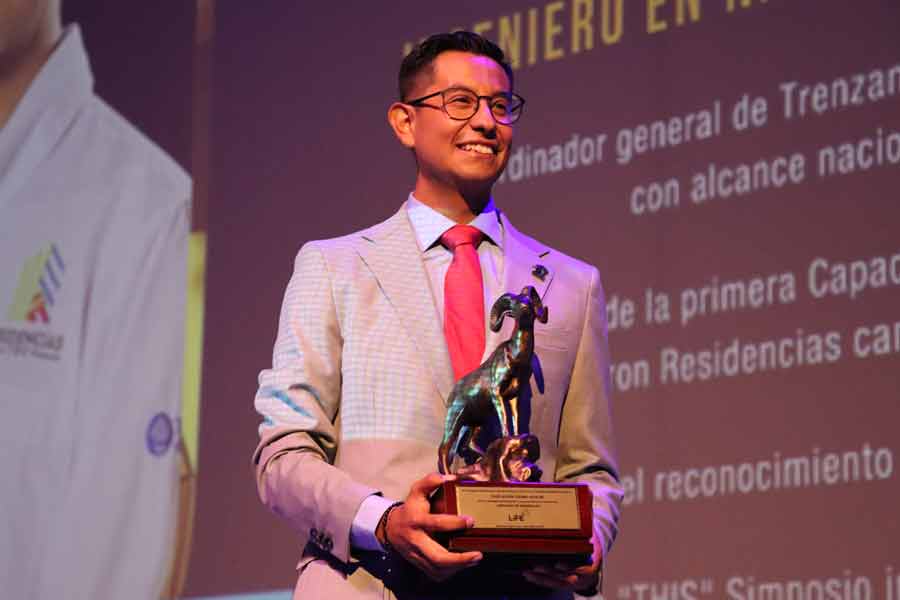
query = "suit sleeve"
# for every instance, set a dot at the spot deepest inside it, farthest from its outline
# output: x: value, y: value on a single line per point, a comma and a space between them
x: 586, y: 444
x: 299, y: 400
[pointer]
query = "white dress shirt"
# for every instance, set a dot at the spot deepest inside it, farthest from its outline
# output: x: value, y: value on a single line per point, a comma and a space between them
x: 94, y: 222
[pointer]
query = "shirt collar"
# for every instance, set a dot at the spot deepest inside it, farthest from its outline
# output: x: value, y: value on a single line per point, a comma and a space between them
x: 428, y: 224
x: 47, y: 108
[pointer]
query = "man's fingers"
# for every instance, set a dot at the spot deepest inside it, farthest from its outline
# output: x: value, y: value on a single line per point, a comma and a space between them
x: 432, y: 558
x: 441, y: 557
x: 429, y: 483
x: 557, y: 570
x: 446, y: 522
x: 414, y: 517
x: 431, y: 571
x: 441, y: 563
x: 440, y: 572
x: 409, y: 526
x: 566, y: 576
x: 416, y: 558
x: 567, y: 569
x: 550, y: 579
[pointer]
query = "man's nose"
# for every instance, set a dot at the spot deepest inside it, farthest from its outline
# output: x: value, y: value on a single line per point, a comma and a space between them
x: 483, y: 120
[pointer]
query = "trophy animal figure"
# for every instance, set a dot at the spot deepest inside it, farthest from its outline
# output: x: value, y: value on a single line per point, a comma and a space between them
x: 493, y: 390
x: 508, y: 459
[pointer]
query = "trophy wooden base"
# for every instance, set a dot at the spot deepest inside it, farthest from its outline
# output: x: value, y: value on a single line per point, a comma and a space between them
x: 520, y: 523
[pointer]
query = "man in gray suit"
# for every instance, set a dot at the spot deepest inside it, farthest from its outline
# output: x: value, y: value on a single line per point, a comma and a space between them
x: 353, y: 407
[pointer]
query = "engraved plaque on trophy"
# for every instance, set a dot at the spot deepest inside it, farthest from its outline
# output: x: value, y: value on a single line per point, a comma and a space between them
x: 517, y: 519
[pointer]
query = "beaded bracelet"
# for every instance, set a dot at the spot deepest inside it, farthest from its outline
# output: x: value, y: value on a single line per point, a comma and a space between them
x: 382, y: 526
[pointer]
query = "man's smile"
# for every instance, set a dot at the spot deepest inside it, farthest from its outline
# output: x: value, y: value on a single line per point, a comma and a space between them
x: 479, y: 148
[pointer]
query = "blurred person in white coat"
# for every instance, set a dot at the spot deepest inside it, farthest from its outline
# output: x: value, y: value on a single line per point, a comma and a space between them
x: 94, y: 224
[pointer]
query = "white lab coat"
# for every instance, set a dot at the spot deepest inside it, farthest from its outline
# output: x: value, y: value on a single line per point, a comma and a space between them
x: 95, y: 218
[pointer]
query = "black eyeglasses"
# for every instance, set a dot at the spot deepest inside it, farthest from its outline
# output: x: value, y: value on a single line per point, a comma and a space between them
x: 461, y: 104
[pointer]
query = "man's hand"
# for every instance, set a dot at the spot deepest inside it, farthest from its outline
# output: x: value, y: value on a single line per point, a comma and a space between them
x: 409, y: 526
x: 566, y: 577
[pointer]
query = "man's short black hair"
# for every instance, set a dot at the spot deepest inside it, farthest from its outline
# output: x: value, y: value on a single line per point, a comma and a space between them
x: 421, y: 57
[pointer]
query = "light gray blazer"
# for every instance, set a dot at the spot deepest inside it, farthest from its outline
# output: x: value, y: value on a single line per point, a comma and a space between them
x: 354, y: 403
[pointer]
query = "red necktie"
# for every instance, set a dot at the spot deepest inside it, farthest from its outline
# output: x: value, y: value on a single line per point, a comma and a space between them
x: 464, y: 299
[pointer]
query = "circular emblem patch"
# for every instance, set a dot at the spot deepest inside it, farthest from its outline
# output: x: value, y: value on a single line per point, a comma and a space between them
x: 160, y: 434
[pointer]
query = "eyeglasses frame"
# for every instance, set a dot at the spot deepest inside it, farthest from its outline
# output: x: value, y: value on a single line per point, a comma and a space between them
x: 417, y: 102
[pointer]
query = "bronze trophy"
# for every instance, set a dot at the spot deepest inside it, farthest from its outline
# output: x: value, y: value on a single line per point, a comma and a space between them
x: 518, y: 520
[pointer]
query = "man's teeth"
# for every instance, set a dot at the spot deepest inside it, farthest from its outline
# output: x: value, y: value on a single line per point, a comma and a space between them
x: 480, y: 148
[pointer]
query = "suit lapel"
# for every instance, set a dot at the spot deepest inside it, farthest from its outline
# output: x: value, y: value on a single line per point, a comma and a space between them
x: 392, y: 255
x: 521, y: 256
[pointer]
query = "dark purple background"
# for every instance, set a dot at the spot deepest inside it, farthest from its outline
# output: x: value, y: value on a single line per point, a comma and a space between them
x: 301, y: 150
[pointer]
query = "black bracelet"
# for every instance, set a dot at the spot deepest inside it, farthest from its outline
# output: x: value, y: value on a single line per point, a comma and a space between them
x: 382, y: 524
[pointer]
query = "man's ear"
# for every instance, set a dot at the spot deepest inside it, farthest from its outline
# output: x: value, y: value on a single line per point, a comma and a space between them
x: 401, y: 119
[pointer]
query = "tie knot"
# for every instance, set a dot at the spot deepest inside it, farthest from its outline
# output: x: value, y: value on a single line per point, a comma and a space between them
x: 459, y: 235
